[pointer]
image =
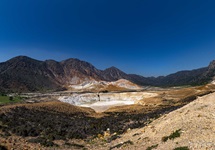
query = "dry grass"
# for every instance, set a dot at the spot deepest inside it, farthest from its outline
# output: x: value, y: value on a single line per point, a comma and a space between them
x: 166, y: 98
x: 179, y: 93
x: 54, y: 106
x: 114, y: 88
x: 152, y: 101
x: 127, y: 108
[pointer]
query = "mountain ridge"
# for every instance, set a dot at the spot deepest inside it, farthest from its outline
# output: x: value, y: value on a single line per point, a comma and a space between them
x: 23, y: 73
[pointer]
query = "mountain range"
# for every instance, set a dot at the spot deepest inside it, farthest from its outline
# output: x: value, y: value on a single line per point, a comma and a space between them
x: 24, y: 74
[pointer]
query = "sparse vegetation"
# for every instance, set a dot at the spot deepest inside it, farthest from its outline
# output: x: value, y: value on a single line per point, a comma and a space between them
x: 42, y: 141
x: 75, y: 145
x: 11, y: 98
x: 181, y: 148
x: 4, y: 99
x: 46, y: 122
x: 55, y: 120
x: 152, y: 147
x: 122, y: 144
x: 172, y: 136
x: 60, y: 121
x: 113, y: 137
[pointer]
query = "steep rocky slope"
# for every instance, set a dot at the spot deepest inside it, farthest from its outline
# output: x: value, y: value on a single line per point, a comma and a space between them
x: 77, y: 71
x: 26, y: 74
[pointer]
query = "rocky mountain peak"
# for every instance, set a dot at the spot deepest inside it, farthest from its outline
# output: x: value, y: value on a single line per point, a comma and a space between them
x: 22, y: 59
x: 113, y: 70
x: 113, y: 74
x: 212, y: 65
x: 51, y: 61
x: 74, y: 63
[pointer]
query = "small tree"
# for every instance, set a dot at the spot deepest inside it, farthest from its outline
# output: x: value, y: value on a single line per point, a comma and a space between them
x: 11, y: 98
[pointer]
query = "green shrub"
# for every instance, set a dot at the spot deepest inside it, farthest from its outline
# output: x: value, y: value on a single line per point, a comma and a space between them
x: 121, y: 144
x: 172, y: 136
x: 11, y: 98
x: 152, y: 147
x: 165, y: 138
x: 182, y: 148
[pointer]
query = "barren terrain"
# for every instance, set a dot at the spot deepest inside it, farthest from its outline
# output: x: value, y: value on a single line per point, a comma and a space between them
x: 195, y: 123
x: 101, y: 102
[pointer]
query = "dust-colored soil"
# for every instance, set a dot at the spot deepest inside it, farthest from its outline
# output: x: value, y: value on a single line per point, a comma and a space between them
x: 195, y: 122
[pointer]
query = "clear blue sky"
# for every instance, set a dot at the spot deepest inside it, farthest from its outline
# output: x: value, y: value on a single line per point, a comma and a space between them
x: 146, y: 37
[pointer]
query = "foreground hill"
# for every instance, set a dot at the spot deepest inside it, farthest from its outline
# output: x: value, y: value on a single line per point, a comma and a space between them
x: 22, y: 74
x: 190, y: 127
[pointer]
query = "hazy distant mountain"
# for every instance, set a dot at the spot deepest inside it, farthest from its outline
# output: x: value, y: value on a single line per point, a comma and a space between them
x: 26, y: 74
x: 192, y: 77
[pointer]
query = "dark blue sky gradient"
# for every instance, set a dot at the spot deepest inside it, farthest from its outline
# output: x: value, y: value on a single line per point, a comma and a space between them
x: 147, y: 37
